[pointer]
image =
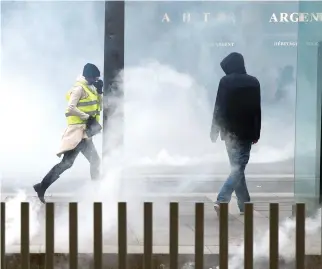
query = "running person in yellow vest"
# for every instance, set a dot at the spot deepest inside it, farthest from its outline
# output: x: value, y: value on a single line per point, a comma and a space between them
x: 84, y: 105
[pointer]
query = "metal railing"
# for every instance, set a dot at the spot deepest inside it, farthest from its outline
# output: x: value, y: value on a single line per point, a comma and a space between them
x: 148, y: 236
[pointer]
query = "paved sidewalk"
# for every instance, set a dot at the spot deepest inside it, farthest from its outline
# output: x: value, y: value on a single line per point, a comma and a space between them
x: 160, y: 225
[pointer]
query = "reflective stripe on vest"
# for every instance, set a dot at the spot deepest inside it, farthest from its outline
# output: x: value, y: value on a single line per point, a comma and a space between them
x: 89, y: 105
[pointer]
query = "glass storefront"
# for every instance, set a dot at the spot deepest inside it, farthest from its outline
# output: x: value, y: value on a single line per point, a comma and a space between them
x: 308, y: 104
x: 182, y: 43
x: 179, y: 46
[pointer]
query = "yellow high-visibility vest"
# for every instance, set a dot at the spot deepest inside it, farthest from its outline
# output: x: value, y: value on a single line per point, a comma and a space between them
x: 90, y: 105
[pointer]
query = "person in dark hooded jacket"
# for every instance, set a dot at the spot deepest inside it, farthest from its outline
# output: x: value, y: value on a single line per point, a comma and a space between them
x: 237, y: 118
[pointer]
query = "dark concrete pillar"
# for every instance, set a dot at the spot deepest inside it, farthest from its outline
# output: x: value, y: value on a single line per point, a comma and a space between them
x: 113, y: 58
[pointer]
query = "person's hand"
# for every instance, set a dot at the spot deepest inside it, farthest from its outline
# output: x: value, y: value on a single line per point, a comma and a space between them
x: 90, y: 120
x: 99, y: 86
x: 214, y: 136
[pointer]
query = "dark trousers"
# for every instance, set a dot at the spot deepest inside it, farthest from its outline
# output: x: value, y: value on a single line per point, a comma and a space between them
x: 87, y: 148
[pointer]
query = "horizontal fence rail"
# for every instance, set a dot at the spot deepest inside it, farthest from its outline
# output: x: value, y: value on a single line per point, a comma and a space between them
x: 148, y: 236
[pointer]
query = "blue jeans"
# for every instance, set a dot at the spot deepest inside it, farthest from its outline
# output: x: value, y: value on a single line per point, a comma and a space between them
x: 238, y: 153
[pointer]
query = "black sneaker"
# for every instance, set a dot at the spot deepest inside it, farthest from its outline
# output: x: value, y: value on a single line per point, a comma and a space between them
x: 40, y: 192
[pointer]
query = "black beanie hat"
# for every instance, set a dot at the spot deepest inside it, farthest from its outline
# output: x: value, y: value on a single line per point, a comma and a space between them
x: 91, y: 71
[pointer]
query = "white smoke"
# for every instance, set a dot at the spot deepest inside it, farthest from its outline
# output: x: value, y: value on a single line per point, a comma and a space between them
x: 13, y: 219
x: 184, y: 82
x: 106, y: 191
x: 167, y: 109
x: 144, y: 129
x: 39, y: 64
x: 286, y: 242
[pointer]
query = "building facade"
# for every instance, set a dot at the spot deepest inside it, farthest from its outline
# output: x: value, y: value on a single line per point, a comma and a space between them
x: 281, y: 44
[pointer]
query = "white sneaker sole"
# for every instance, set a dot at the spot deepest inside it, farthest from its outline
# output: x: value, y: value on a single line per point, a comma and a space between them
x: 217, y: 209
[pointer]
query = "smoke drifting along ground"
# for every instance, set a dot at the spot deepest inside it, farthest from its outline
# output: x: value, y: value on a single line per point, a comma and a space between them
x: 169, y: 93
x: 286, y: 241
x: 108, y: 191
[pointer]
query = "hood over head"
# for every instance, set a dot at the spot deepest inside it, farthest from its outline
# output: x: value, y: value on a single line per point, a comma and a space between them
x: 91, y: 71
x: 233, y: 63
x: 82, y: 79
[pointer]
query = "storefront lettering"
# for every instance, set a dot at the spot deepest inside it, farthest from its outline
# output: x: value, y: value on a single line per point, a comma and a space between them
x: 296, y: 17
x: 285, y: 43
x: 187, y: 17
x: 282, y: 17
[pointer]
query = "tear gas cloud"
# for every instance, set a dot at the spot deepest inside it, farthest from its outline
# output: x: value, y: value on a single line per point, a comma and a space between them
x: 170, y: 94
x: 44, y: 47
x: 170, y: 83
x: 183, y: 83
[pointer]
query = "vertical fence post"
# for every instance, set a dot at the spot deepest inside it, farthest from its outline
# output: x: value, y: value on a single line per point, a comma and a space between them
x: 122, y: 236
x: 25, y: 254
x: 174, y: 235
x: 223, y: 236
x: 73, y: 236
x: 273, y: 235
x: 148, y: 235
x: 50, y: 236
x: 3, y: 235
x: 199, y: 235
x: 248, y: 234
x: 98, y: 236
x: 300, y: 236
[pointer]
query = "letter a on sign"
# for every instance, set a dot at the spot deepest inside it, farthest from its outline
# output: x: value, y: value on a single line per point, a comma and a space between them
x: 165, y: 18
x: 273, y: 18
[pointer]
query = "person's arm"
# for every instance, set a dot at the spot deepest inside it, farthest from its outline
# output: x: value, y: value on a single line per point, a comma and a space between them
x: 99, y: 88
x: 217, y: 115
x: 100, y: 102
x: 75, y: 96
x: 258, y: 113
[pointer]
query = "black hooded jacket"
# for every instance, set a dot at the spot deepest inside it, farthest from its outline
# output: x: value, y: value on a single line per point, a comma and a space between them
x: 238, y: 102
